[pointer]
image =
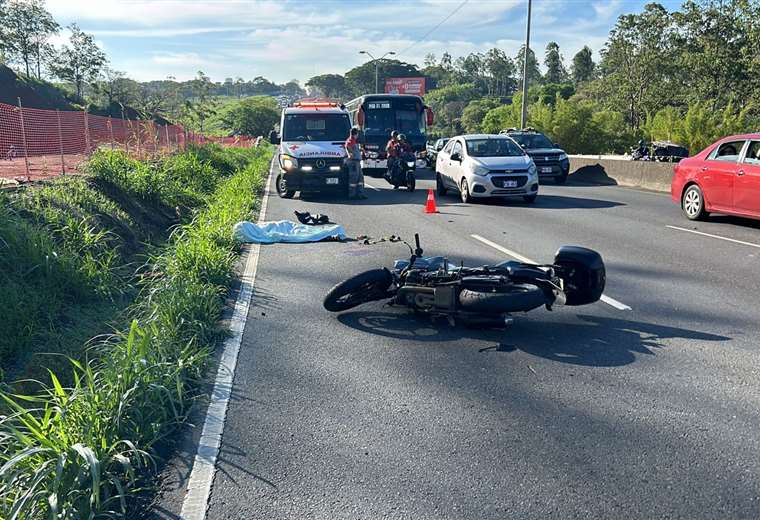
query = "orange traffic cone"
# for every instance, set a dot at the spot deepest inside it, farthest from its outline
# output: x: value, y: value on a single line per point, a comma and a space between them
x: 430, y: 204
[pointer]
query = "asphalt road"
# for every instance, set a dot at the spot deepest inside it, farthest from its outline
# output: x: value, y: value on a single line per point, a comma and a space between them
x: 586, y: 412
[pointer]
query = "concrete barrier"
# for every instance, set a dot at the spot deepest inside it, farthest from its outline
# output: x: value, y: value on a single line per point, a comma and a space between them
x: 620, y: 170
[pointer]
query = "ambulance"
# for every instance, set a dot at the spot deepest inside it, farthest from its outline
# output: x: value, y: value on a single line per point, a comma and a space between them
x: 311, y: 152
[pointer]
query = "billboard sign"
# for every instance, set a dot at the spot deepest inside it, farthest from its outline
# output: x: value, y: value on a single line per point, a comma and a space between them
x: 415, y: 86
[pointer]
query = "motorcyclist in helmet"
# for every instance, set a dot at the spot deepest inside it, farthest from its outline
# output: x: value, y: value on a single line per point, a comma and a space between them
x: 392, y: 152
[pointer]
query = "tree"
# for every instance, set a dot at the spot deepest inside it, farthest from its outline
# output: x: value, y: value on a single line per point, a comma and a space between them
x: 501, y: 73
x: 717, y: 50
x: 203, y: 105
x: 26, y: 27
x: 534, y: 75
x: 555, y: 69
x: 448, y: 104
x: 80, y: 61
x: 252, y: 116
x: 583, y: 66
x: 330, y: 85
x: 115, y: 88
x: 361, y: 79
x: 475, y: 111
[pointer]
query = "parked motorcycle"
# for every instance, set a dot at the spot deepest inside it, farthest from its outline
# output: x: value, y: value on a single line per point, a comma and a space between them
x: 432, y: 286
x: 402, y: 172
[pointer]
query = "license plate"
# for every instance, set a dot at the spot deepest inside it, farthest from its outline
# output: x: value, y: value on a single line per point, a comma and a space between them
x: 546, y: 169
x: 510, y: 184
x: 332, y: 180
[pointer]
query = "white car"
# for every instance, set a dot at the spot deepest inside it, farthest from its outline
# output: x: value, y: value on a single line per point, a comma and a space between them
x: 486, y: 165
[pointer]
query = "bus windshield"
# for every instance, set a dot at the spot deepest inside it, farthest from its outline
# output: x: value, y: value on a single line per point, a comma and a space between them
x: 316, y: 127
x: 382, y: 118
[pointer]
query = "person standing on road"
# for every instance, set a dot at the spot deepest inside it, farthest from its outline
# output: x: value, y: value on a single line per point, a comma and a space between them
x: 353, y: 163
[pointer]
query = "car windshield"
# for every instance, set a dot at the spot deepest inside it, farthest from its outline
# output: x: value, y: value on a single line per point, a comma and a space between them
x: 531, y: 141
x: 316, y: 127
x: 493, y: 148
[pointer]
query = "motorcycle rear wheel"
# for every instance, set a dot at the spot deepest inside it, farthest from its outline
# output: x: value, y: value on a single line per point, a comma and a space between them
x: 362, y: 288
x: 514, y: 298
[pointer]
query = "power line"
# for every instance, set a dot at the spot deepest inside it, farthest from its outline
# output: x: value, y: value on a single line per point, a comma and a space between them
x: 452, y: 13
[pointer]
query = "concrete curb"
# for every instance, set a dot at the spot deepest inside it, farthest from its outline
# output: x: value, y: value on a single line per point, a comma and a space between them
x: 608, y: 170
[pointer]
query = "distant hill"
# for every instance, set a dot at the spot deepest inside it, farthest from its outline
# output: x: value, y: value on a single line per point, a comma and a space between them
x: 36, y: 93
x: 33, y: 93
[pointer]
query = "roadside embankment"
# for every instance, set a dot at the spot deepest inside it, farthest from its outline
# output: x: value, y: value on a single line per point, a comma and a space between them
x: 145, y: 249
x: 620, y: 170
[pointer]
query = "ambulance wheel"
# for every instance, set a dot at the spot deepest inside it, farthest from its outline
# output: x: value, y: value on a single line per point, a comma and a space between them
x: 282, y: 188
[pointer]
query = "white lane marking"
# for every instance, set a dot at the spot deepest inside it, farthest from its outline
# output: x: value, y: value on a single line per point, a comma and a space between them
x: 371, y: 187
x: 742, y: 242
x: 204, y: 466
x: 612, y: 302
x: 508, y: 252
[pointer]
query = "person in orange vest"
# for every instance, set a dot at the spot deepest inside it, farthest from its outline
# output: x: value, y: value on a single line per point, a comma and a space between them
x: 353, y: 163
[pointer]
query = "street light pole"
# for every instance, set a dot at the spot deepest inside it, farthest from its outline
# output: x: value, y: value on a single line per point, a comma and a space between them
x: 377, y: 65
x: 524, y: 118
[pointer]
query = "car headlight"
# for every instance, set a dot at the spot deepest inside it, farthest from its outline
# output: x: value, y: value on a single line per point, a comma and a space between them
x: 480, y: 170
x: 532, y: 169
x: 563, y: 156
x: 288, y: 163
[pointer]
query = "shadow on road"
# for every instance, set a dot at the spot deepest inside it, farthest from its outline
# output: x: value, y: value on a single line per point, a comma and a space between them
x: 595, y: 341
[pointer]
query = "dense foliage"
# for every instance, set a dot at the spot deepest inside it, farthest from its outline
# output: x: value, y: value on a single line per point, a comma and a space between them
x: 689, y: 75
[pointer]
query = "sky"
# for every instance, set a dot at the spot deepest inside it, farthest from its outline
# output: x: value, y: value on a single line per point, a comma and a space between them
x: 295, y: 39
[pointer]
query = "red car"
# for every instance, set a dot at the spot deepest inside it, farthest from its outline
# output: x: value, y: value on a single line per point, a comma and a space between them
x: 723, y: 178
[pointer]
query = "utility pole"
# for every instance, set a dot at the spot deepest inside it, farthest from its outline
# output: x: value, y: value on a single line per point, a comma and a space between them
x: 524, y: 118
x: 377, y: 65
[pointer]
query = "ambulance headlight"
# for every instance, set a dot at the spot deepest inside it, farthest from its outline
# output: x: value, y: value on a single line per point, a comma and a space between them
x: 288, y: 163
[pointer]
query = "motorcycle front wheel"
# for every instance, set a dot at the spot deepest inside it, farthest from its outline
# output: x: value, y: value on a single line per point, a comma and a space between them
x: 411, y: 182
x: 362, y: 288
x: 514, y: 298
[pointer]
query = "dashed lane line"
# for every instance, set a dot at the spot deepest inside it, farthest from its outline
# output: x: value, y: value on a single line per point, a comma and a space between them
x: 694, y: 231
x: 612, y: 302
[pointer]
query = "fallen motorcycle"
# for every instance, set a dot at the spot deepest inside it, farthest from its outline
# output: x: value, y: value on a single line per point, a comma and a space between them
x: 432, y: 286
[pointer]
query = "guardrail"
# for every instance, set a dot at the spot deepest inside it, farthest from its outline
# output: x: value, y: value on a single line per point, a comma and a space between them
x: 620, y: 170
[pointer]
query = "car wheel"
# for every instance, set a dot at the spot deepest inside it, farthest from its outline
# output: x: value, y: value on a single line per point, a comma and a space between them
x: 439, y: 185
x: 464, y: 191
x: 693, y: 203
x: 530, y: 199
x: 282, y: 188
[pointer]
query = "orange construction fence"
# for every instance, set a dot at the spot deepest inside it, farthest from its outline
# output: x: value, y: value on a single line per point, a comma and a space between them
x: 37, y: 143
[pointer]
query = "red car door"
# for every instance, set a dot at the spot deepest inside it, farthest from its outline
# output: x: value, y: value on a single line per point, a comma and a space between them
x: 718, y: 174
x: 747, y: 183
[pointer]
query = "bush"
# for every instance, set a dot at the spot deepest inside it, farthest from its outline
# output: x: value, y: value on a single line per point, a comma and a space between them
x: 80, y: 452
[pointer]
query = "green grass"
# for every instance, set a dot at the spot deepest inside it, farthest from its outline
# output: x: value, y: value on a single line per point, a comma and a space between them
x: 81, y: 450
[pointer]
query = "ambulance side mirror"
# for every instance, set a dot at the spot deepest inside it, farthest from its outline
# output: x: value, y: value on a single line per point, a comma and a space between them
x: 274, y: 138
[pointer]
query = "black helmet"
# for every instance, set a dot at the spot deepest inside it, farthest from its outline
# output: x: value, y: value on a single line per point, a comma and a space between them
x: 401, y: 137
x: 394, y: 133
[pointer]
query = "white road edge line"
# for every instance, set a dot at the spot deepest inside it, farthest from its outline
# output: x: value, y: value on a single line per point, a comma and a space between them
x: 612, y: 302
x: 204, y: 466
x: 750, y: 244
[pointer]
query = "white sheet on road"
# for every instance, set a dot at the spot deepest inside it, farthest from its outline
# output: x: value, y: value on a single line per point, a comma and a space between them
x: 285, y: 231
